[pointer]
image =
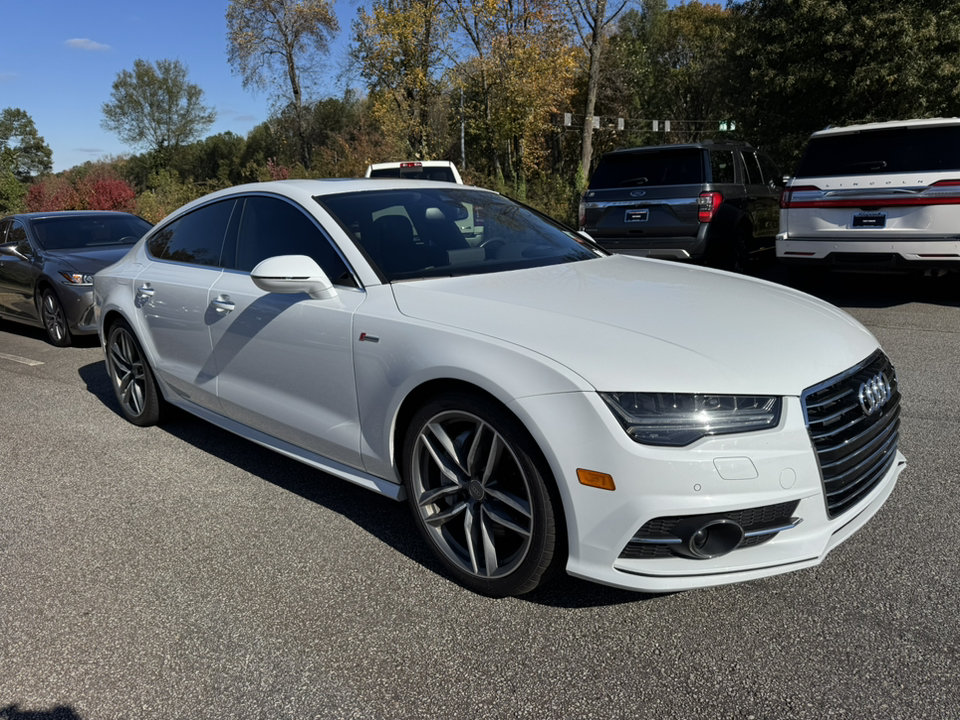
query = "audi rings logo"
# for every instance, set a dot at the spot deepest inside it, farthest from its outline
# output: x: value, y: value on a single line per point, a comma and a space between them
x: 874, y: 393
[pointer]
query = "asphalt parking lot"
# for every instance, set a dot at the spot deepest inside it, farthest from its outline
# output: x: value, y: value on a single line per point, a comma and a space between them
x: 180, y: 572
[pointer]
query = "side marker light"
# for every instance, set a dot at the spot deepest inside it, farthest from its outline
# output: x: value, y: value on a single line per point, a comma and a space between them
x: 596, y: 479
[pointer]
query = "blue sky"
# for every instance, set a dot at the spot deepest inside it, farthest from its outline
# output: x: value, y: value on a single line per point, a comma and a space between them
x: 59, y: 59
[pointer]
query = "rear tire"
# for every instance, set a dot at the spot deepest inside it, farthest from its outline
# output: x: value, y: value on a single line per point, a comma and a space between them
x: 733, y: 254
x: 481, y: 495
x: 132, y: 377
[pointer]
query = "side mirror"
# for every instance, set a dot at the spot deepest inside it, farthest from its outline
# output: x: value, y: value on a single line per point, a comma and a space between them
x: 292, y: 274
x: 11, y: 250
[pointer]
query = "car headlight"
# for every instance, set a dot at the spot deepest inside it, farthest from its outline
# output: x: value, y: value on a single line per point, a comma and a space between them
x: 77, y: 278
x: 678, y: 419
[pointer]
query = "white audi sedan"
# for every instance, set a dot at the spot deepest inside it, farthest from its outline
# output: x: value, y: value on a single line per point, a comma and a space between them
x: 541, y: 404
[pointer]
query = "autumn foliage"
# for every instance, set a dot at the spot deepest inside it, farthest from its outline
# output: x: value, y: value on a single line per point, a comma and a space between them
x: 96, y: 189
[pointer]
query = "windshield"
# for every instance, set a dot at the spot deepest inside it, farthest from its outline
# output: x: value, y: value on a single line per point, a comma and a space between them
x: 895, y: 150
x: 85, y: 231
x: 410, y: 234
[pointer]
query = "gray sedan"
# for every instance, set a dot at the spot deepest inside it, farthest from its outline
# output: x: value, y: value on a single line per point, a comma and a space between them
x: 47, y: 263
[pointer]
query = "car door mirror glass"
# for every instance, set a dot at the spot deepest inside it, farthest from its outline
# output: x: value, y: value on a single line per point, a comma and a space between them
x: 292, y: 274
x: 12, y: 250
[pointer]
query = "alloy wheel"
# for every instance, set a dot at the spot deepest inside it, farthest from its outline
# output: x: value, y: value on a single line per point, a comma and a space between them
x: 472, y: 494
x: 53, y: 318
x: 127, y: 371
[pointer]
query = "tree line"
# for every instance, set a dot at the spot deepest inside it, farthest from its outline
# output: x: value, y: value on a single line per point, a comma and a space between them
x: 523, y: 95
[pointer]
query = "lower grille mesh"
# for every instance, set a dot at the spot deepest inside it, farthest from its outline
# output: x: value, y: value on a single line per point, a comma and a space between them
x: 644, y: 545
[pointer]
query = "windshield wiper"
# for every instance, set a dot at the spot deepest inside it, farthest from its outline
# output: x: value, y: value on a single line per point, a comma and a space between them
x: 635, y: 181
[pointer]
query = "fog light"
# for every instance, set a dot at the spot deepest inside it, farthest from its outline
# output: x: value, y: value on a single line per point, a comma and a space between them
x: 704, y: 538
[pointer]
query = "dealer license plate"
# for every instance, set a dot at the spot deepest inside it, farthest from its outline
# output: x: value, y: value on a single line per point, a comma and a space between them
x: 870, y: 220
x: 636, y: 215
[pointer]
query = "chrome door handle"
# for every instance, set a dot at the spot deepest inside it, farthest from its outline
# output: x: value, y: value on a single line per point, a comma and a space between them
x: 144, y: 293
x: 223, y: 304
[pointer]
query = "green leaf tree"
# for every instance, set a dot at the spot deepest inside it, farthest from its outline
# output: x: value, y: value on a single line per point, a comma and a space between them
x: 277, y: 41
x: 156, y: 107
x: 23, y: 151
x: 806, y: 64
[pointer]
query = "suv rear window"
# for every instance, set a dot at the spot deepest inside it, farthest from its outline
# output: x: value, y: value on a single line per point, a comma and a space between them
x: 651, y: 167
x: 897, y: 150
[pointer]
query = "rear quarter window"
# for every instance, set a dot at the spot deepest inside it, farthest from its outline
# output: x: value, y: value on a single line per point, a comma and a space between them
x: 721, y: 166
x: 195, y: 238
x: 894, y: 150
x: 635, y: 169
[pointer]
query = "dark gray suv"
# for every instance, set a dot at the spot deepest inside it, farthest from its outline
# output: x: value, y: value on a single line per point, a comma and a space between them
x: 712, y: 201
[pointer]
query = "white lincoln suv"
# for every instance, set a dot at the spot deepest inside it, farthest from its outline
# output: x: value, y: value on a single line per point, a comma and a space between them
x: 883, y: 196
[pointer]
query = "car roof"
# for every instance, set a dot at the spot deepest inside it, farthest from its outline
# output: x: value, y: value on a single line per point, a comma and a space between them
x: 703, y: 144
x: 66, y: 213
x: 887, y: 125
x: 304, y: 191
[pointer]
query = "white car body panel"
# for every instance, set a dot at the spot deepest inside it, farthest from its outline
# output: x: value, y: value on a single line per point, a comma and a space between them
x: 325, y: 381
x: 284, y: 365
x: 680, y: 329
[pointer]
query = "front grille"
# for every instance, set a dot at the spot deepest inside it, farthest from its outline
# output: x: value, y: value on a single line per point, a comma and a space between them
x: 655, y: 538
x: 854, y: 449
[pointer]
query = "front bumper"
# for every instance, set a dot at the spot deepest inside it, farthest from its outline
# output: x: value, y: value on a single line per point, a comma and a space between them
x: 715, y: 475
x: 77, y: 301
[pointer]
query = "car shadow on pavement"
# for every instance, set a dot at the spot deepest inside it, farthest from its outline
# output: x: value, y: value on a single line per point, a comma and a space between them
x: 35, y: 333
x: 384, y: 519
x: 869, y: 290
x: 60, y: 712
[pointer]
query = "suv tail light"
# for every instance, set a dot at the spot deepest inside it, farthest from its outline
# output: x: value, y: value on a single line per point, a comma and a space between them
x: 800, y: 196
x: 945, y: 192
x: 707, y: 205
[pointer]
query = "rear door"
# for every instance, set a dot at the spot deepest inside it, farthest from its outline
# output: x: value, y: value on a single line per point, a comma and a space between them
x: 645, y: 194
x: 762, y: 187
x: 172, y: 293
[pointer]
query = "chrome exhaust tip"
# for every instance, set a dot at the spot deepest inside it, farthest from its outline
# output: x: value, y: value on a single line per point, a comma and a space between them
x: 705, y: 538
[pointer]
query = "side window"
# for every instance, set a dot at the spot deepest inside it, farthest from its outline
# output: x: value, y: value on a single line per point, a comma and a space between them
x: 721, y: 166
x: 195, y: 238
x: 751, y: 168
x: 18, y: 235
x: 4, y: 226
x: 271, y: 227
x: 771, y: 173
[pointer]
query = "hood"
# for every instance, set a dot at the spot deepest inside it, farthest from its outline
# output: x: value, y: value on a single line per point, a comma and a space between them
x: 89, y: 260
x: 631, y: 324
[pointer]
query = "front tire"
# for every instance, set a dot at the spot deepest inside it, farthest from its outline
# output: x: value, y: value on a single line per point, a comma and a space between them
x: 131, y: 376
x: 481, y: 495
x: 54, y: 319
